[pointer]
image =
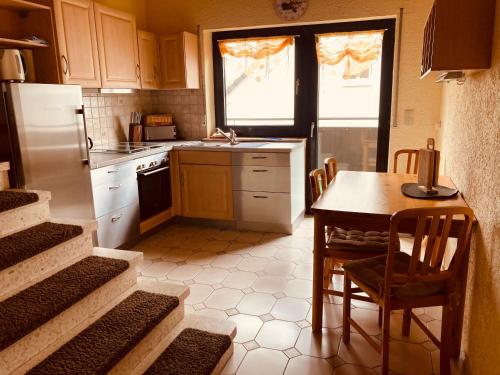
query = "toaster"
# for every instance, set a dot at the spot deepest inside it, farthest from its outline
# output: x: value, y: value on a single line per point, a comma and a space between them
x: 159, y: 133
x: 12, y: 68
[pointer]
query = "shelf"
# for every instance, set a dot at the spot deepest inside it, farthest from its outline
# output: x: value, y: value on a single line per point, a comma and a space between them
x: 5, y: 42
x: 21, y: 5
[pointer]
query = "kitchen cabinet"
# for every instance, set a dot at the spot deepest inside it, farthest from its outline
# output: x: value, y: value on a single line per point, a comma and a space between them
x: 458, y: 36
x: 77, y: 42
x: 117, y: 45
x: 179, y: 61
x: 206, y: 189
x: 149, y: 59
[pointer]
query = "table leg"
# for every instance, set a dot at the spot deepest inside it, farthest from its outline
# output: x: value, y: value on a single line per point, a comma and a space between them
x: 458, y: 309
x: 318, y: 268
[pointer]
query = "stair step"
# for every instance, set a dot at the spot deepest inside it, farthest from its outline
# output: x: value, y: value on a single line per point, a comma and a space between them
x: 98, y: 348
x: 196, y: 322
x: 152, y: 339
x: 21, y: 209
x: 192, y: 352
x: 33, y: 254
x: 4, y: 176
x: 35, y: 318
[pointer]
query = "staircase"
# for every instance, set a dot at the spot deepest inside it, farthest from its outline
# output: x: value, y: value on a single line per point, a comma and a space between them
x: 69, y: 308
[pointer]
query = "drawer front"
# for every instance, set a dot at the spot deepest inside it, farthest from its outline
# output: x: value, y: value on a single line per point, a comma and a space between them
x: 111, y: 196
x: 205, y: 157
x: 113, y: 173
x: 261, y: 178
x: 118, y: 227
x: 281, y: 159
x: 262, y: 207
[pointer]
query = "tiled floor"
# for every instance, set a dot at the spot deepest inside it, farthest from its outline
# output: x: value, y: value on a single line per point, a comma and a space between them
x: 262, y: 282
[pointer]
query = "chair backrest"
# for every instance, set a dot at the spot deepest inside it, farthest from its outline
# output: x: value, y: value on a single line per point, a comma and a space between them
x: 411, y: 155
x: 317, y: 178
x: 436, y: 223
x: 330, y: 169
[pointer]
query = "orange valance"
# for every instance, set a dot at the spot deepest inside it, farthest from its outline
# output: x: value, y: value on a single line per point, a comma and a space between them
x: 256, y: 48
x: 359, y: 47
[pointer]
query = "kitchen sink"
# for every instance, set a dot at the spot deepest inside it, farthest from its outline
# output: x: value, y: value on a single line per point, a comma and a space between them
x: 227, y: 144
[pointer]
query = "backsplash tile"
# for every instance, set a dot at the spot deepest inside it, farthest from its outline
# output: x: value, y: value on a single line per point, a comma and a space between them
x: 108, y: 115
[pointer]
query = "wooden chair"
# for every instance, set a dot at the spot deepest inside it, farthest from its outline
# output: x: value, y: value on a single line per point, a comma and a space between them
x: 409, y: 159
x: 330, y: 169
x: 342, y: 245
x: 401, y: 281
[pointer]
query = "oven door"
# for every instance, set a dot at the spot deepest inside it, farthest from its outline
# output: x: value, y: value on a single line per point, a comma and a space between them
x: 154, y: 191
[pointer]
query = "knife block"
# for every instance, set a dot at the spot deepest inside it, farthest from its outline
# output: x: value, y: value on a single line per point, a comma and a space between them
x: 428, y: 168
x: 135, y: 133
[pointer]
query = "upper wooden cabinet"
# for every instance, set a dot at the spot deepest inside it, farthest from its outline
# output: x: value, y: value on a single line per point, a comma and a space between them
x: 179, y: 61
x: 149, y: 59
x: 458, y: 36
x: 76, y: 36
x: 117, y: 44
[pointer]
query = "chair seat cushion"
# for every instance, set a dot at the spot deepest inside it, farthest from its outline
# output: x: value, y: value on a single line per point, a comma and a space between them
x: 371, y: 271
x: 356, y: 240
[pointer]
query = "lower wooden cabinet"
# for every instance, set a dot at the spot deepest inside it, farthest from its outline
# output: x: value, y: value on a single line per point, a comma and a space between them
x: 206, y: 191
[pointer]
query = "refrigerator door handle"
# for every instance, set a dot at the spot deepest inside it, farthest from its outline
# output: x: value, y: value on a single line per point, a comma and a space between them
x: 81, y: 111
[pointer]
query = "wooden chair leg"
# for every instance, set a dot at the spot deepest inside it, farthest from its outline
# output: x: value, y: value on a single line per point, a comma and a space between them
x: 406, y: 322
x: 326, y: 273
x: 444, y: 351
x: 386, y: 322
x: 346, y: 325
x: 380, y: 316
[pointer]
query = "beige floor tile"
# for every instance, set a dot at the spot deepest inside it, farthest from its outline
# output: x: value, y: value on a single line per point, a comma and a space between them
x: 250, y: 237
x: 212, y: 313
x: 239, y: 248
x: 269, y: 284
x: 256, y: 304
x: 224, y: 299
x: 416, y: 334
x: 247, y: 327
x: 277, y: 334
x: 227, y: 261
x: 304, y: 271
x: 279, y: 268
x: 192, y: 243
x: 367, y: 319
x: 332, y: 316
x: 158, y: 269
x: 299, y: 288
x: 234, y: 362
x: 215, y: 246
x: 240, y: 280
x: 263, y: 251
x: 198, y: 293
x: 322, y: 344
x: 252, y: 264
x: 359, y: 352
x: 201, y: 258
x: 291, y: 309
x: 409, y: 359
x: 348, y: 369
x: 184, y: 272
x: 176, y: 255
x: 227, y: 235
x: 435, y: 327
x: 435, y: 312
x: 145, y: 263
x: 288, y: 254
x: 211, y: 276
x: 263, y: 362
x: 303, y: 365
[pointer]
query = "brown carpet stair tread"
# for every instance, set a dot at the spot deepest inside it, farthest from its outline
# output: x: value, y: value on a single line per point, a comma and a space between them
x: 14, y: 199
x: 104, y: 343
x: 36, y: 305
x: 35, y: 240
x: 193, y: 352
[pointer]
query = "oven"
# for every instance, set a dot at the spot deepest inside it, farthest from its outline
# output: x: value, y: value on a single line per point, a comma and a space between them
x: 153, y: 182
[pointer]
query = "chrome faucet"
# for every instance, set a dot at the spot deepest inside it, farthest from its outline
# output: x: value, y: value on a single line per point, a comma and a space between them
x: 232, y: 136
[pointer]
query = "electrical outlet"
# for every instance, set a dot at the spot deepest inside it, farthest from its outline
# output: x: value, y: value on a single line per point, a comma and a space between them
x: 204, y: 121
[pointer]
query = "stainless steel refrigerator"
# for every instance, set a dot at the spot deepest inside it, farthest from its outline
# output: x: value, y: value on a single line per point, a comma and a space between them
x: 43, y: 136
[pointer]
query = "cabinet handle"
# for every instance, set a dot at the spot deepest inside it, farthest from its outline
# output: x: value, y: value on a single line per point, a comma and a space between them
x: 259, y: 157
x: 111, y: 188
x: 113, y: 171
x: 260, y: 197
x: 114, y: 219
x: 260, y: 170
x: 138, y: 71
x: 66, y: 65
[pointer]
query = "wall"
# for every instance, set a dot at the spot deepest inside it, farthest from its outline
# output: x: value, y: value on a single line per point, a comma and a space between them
x: 470, y: 140
x: 423, y: 96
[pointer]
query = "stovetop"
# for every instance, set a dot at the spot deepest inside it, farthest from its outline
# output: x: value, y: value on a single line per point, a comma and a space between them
x: 127, y: 147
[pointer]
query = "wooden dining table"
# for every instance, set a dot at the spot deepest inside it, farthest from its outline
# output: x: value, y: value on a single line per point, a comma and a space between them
x: 366, y: 201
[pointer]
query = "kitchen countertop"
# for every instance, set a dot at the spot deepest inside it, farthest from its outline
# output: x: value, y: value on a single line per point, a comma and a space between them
x: 103, y: 159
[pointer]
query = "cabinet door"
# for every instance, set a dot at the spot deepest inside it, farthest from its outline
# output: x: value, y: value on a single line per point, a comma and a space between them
x: 206, y: 191
x: 149, y: 59
x: 118, y: 53
x: 77, y: 42
x: 179, y: 61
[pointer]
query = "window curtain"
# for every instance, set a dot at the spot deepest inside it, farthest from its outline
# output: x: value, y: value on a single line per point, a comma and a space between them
x: 255, y: 48
x: 358, y: 48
